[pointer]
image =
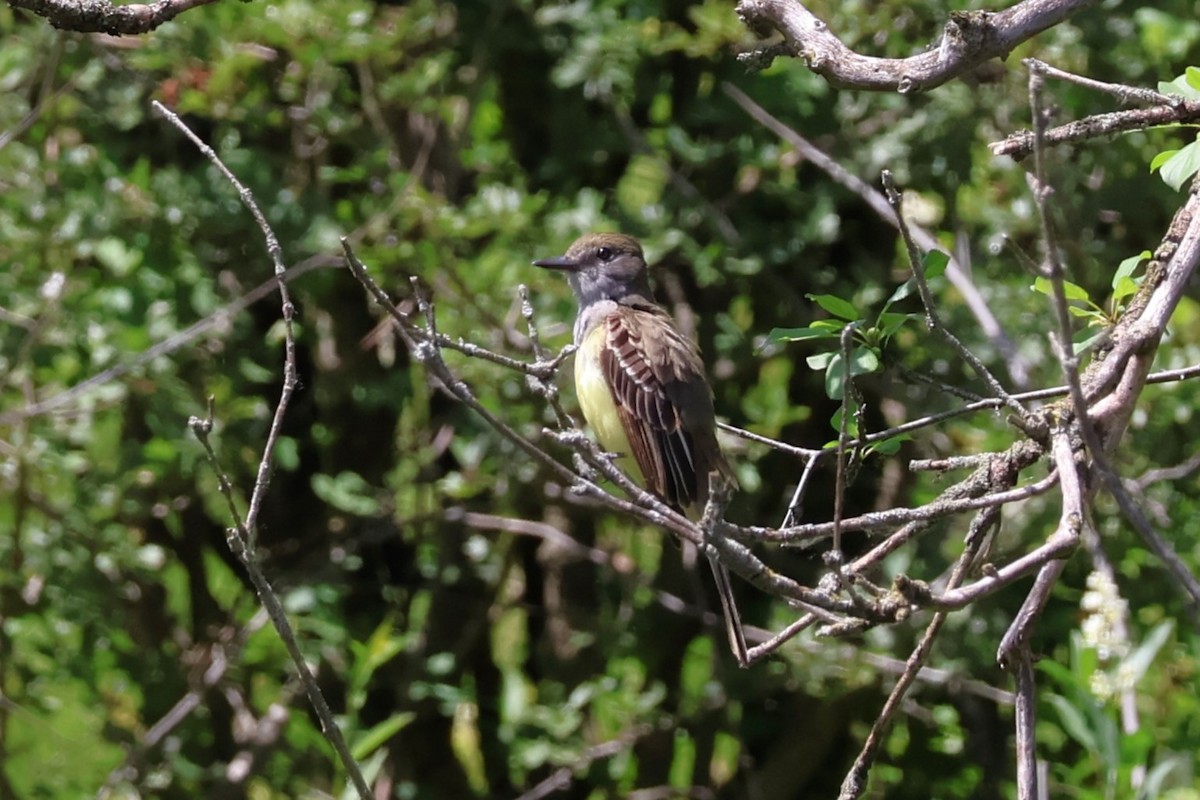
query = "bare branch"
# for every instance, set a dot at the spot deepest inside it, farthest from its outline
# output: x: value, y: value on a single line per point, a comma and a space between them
x: 795, y: 505
x: 849, y: 398
x: 1175, y: 473
x: 969, y: 39
x: 241, y: 536
x: 1020, y: 144
x: 101, y: 16
x: 290, y: 380
x: 1026, y: 720
x: 992, y: 403
x: 1165, y: 110
x: 1124, y: 93
x: 931, y: 316
x: 783, y: 447
x: 942, y: 507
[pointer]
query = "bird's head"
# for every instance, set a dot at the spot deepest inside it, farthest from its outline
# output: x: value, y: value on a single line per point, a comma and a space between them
x: 603, y: 266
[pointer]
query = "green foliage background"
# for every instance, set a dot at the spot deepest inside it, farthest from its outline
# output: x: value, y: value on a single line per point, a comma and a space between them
x: 454, y: 143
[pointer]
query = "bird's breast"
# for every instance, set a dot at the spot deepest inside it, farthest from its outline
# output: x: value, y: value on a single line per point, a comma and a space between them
x: 596, y: 400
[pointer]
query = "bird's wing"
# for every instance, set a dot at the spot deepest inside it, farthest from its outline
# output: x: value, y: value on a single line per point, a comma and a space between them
x: 657, y: 382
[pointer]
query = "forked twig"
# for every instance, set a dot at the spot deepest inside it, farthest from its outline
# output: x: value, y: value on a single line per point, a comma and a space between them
x: 932, y: 319
x: 241, y: 538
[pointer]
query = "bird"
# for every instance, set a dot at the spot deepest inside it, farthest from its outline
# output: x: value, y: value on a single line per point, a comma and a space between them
x: 641, y: 386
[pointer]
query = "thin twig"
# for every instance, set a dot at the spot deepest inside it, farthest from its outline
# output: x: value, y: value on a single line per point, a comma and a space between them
x: 1016, y: 363
x: 764, y: 649
x: 1134, y: 375
x: 265, y: 466
x: 242, y: 537
x: 1123, y: 92
x: 544, y: 384
x: 993, y: 403
x: 221, y: 652
x: 1026, y: 721
x: 783, y: 447
x: 561, y: 778
x: 1019, y: 145
x: 795, y: 505
x: 932, y: 320
x: 892, y: 517
x: 1175, y: 473
x: 239, y: 541
x: 839, y: 490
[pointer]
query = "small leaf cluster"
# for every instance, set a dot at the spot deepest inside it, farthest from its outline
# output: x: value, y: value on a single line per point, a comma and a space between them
x: 870, y: 338
x: 1080, y: 303
x: 1176, y: 167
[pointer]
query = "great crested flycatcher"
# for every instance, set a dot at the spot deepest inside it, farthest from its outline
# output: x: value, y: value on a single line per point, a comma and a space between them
x: 641, y: 385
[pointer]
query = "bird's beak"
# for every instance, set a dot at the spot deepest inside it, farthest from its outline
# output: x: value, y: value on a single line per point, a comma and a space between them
x: 558, y: 262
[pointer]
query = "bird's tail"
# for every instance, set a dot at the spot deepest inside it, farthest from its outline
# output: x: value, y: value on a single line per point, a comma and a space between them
x: 733, y: 620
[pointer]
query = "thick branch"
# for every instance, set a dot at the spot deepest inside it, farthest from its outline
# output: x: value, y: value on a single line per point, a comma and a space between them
x: 101, y: 16
x: 970, y: 38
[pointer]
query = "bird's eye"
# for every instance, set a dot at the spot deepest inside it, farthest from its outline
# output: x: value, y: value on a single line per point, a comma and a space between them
x: 605, y: 254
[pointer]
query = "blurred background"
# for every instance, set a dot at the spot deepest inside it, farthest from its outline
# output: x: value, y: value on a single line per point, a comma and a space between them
x: 467, y: 647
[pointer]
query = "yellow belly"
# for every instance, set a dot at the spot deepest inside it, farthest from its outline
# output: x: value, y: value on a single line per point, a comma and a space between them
x: 596, y: 402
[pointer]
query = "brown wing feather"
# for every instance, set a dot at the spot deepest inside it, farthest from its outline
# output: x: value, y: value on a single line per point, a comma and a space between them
x: 657, y: 382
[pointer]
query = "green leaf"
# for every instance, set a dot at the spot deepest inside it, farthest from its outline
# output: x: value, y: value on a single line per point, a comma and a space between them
x: 889, y: 323
x: 347, y: 491
x: 1127, y: 267
x: 835, y: 377
x: 778, y: 335
x: 1179, y: 763
x: 1074, y: 723
x: 935, y: 263
x: 642, y: 184
x: 379, y: 733
x: 117, y: 256
x: 1060, y: 673
x: 834, y: 325
x: 902, y: 291
x: 1162, y: 158
x: 1183, y: 85
x: 863, y: 360
x: 1125, y: 287
x: 836, y: 306
x: 1071, y: 290
x: 695, y: 674
x: 820, y: 361
x: 381, y: 646
x: 889, y: 446
x: 836, y: 422
x: 1081, y: 346
x: 1180, y: 167
x: 1140, y: 659
x: 1080, y: 311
